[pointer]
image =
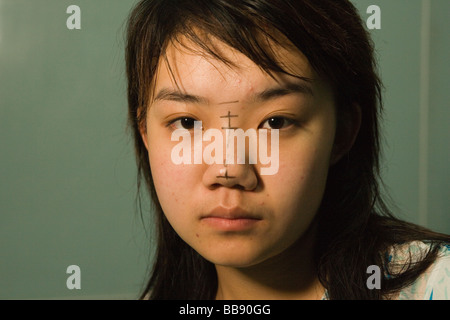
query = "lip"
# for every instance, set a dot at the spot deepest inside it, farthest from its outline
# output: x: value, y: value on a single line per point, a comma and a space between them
x: 230, y: 219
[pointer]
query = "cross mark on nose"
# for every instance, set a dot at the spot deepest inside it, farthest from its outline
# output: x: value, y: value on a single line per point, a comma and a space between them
x: 226, y: 176
x: 229, y: 116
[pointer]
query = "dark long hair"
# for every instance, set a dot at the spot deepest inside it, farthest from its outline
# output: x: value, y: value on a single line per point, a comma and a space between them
x: 355, y: 226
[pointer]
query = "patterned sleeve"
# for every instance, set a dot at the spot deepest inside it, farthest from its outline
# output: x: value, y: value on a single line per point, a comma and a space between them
x: 434, y: 284
x: 438, y: 285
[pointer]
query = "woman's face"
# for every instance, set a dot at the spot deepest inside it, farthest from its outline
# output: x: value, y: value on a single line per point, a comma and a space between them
x: 230, y: 213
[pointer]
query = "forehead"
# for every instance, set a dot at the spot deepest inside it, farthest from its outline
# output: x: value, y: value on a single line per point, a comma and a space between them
x: 188, y: 67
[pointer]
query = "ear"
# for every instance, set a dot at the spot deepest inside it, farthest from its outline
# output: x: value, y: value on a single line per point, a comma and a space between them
x: 142, y: 128
x: 346, y: 133
x: 144, y: 138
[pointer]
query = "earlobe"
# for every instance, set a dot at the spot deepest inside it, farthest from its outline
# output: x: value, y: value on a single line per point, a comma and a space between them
x: 142, y: 125
x: 144, y: 139
x: 143, y: 132
x: 347, y: 131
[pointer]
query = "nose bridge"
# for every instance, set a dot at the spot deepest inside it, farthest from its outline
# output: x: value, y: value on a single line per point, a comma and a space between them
x: 236, y: 170
x: 240, y: 146
x: 235, y: 141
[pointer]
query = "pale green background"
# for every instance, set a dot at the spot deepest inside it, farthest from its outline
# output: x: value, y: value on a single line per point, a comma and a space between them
x: 67, y: 171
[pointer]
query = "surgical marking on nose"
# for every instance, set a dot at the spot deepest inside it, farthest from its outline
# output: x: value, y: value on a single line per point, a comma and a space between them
x: 228, y: 116
x: 226, y: 176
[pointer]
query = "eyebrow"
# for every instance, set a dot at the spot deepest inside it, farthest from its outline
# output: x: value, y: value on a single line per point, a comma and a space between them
x: 265, y: 95
x: 178, y: 96
x: 284, y: 90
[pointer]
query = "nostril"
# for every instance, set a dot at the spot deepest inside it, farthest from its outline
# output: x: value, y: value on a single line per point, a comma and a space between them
x: 230, y: 186
x: 215, y: 186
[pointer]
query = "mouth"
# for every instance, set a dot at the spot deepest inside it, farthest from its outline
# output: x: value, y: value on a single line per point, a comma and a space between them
x: 230, y: 219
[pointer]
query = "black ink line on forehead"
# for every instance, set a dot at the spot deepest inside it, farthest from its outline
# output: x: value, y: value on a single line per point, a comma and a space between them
x: 228, y: 102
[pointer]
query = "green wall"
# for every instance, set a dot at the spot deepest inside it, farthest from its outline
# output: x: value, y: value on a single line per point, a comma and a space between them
x: 67, y: 172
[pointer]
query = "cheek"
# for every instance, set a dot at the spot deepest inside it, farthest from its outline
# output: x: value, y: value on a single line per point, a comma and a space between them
x: 302, y: 175
x: 179, y: 188
x: 170, y: 180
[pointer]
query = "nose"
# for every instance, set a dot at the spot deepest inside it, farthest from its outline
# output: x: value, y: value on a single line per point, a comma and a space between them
x: 239, y: 176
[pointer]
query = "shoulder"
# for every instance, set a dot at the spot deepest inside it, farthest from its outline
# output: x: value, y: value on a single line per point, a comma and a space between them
x: 434, y: 283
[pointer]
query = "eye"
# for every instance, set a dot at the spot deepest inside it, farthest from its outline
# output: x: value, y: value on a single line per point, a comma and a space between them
x: 183, y: 123
x: 276, y: 123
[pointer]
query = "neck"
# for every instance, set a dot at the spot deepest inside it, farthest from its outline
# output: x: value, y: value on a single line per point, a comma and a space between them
x: 290, y: 275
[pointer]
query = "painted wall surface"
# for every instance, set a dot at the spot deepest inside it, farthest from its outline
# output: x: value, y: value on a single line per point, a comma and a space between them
x: 67, y: 169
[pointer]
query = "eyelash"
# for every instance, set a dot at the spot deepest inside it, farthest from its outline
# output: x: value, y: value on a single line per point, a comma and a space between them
x: 172, y: 123
x: 289, y: 122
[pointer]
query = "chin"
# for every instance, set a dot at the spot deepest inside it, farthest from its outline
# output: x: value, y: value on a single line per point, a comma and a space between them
x: 234, y: 258
x: 234, y: 263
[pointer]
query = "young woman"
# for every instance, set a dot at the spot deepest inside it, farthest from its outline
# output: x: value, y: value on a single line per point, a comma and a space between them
x: 303, y: 73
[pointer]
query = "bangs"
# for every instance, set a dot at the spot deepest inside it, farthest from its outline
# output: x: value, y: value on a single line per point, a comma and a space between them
x: 263, y: 49
x: 258, y: 43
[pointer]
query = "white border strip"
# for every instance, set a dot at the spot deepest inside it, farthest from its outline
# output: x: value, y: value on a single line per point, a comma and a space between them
x: 424, y: 109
